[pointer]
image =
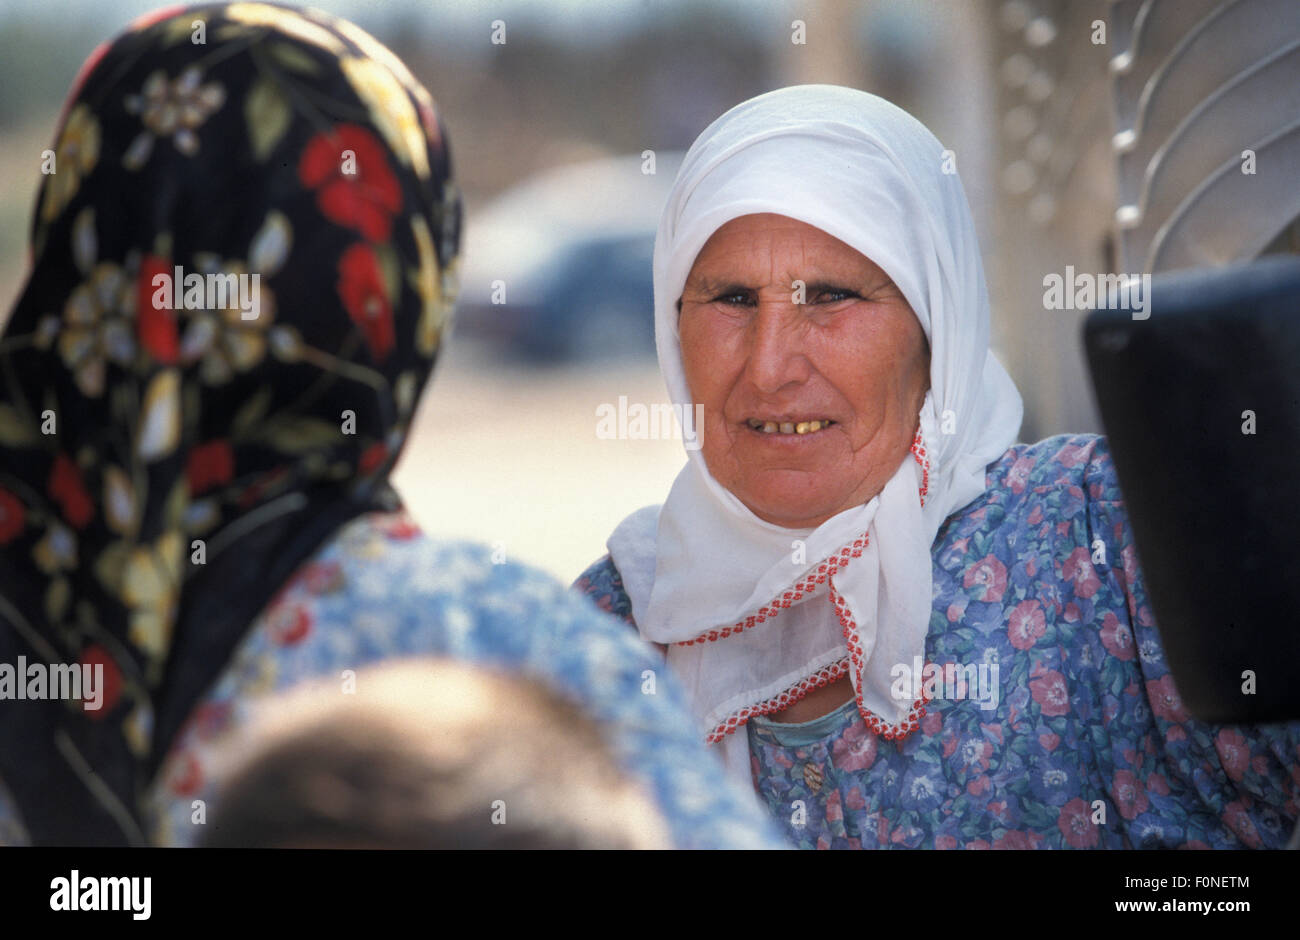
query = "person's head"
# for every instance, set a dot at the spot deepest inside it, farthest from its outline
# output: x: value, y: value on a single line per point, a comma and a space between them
x: 427, y: 754
x: 243, y: 262
x: 819, y: 291
x: 810, y: 393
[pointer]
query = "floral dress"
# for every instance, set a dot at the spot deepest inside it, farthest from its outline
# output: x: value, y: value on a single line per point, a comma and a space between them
x: 1086, y: 745
x: 340, y: 612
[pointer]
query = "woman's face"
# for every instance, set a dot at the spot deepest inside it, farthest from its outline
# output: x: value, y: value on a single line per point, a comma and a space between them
x: 848, y: 366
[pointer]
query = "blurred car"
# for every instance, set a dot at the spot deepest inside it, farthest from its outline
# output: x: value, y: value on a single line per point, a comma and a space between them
x: 558, y: 268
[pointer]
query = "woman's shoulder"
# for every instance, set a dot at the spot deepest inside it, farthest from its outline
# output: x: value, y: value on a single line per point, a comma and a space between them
x: 381, y: 589
x: 1081, y: 460
x: 387, y: 556
x: 1052, y: 496
x: 471, y: 595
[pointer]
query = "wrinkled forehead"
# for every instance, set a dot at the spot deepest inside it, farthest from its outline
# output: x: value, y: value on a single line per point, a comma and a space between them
x: 852, y: 192
x: 769, y: 249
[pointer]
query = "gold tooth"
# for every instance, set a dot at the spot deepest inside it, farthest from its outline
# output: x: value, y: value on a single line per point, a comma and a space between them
x: 801, y: 427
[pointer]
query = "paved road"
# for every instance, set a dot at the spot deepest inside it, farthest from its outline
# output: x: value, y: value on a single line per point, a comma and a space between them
x: 509, y: 456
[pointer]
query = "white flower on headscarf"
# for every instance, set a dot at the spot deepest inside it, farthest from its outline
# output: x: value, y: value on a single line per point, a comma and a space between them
x: 97, y: 326
x: 174, y: 109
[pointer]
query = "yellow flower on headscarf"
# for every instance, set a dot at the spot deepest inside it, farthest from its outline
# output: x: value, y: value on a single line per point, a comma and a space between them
x: 376, y: 50
x: 75, y: 156
x: 433, y: 315
x: 150, y: 585
x: 287, y: 21
x: 138, y: 729
x: 391, y: 110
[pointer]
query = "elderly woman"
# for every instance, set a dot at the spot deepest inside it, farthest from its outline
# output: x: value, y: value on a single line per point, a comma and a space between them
x: 194, y: 497
x: 902, y: 627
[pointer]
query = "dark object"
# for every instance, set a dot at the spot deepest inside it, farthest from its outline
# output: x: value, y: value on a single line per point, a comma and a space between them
x: 1201, y: 403
x: 592, y: 301
x: 597, y: 303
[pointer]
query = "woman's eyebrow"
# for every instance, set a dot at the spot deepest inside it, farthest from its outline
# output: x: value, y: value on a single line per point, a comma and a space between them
x: 720, y: 287
x: 717, y: 287
x: 860, y: 283
x: 814, y: 287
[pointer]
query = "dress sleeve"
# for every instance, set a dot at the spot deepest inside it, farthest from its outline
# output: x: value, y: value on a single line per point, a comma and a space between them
x: 604, y: 586
x: 1167, y: 773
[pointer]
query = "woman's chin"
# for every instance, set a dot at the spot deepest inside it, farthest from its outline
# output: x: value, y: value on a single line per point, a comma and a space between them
x: 776, y: 507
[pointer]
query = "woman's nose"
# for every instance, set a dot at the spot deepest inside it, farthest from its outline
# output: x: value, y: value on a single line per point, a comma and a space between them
x: 777, y: 357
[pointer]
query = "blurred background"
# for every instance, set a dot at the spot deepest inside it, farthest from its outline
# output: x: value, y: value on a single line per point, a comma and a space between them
x: 1062, y: 143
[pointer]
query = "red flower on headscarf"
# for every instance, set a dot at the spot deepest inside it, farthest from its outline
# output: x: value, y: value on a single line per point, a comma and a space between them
x: 209, y: 465
x: 156, y: 326
x: 361, y: 191
x: 111, y: 688
x: 372, y: 458
x: 361, y: 286
x: 12, y: 517
x: 67, y: 489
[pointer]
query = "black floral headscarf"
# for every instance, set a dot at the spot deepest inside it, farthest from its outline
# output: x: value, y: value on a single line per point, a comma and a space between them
x: 165, y: 467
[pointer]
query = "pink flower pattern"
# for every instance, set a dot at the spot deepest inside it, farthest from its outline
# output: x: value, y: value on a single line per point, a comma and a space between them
x: 1089, y: 745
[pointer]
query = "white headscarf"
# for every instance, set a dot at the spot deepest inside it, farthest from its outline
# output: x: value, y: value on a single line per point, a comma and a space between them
x: 749, y: 629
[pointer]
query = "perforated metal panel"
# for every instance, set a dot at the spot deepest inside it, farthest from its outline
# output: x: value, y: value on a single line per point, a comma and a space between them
x: 1173, y: 143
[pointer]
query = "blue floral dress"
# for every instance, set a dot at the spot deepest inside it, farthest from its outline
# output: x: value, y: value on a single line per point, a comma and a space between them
x: 340, y: 611
x: 1088, y: 746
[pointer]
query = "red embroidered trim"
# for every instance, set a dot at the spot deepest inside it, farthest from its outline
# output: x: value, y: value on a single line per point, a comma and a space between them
x: 923, y: 459
x: 823, y: 676
x: 832, y: 564
x: 825, y: 570
x: 848, y: 625
x: 914, y: 714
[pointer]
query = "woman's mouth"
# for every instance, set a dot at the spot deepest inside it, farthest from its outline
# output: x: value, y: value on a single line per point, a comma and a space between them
x: 789, y: 427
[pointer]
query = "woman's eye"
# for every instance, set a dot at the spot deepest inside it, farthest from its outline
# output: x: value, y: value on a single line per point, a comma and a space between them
x: 834, y: 295
x: 735, y: 298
